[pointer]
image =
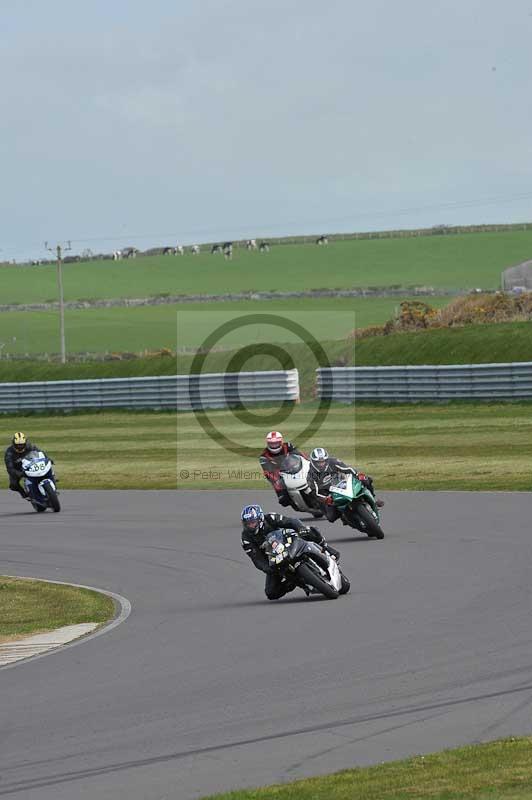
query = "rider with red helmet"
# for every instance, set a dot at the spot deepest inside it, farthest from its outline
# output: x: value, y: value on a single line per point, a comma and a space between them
x: 270, y: 458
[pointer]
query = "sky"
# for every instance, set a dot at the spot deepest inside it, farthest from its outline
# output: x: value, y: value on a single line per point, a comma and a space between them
x: 136, y: 123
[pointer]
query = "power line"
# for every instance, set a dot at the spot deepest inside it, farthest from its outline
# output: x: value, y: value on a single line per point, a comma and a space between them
x: 270, y: 227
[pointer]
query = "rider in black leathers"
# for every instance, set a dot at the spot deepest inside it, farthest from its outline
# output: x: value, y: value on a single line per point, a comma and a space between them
x: 324, y: 469
x: 18, y: 450
x: 256, y: 526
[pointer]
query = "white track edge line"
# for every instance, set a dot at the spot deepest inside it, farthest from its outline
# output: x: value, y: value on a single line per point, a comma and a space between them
x: 125, y: 611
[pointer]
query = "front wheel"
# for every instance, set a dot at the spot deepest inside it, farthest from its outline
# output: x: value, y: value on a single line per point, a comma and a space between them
x: 317, y: 514
x: 309, y: 574
x: 52, y: 498
x: 346, y: 584
x: 371, y: 526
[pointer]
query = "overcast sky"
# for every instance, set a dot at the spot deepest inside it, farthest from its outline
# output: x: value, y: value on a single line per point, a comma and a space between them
x: 143, y: 123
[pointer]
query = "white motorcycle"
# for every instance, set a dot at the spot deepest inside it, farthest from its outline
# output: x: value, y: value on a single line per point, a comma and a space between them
x: 39, y: 481
x: 294, y: 470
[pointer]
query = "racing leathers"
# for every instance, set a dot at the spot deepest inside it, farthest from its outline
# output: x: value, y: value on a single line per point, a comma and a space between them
x: 276, y: 586
x: 321, y: 481
x: 13, y: 460
x: 270, y: 465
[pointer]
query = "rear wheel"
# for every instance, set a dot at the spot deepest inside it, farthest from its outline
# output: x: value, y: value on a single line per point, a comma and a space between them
x: 371, y: 526
x: 309, y: 574
x: 52, y: 498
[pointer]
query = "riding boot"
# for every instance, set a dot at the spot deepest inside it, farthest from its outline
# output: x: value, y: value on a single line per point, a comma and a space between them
x: 332, y: 513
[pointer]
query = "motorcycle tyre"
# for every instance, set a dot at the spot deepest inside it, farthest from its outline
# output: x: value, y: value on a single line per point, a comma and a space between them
x: 373, y: 530
x: 53, y: 499
x: 306, y: 574
x: 346, y: 584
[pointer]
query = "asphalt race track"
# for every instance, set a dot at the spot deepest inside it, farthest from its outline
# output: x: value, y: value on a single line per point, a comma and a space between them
x: 208, y: 686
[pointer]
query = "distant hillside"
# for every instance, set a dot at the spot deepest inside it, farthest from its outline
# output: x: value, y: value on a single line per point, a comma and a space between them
x: 457, y: 261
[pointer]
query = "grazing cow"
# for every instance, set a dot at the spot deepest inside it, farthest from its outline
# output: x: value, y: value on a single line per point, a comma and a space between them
x: 251, y: 244
x: 228, y: 250
x: 178, y: 250
x: 129, y: 252
x: 195, y: 249
x: 215, y: 249
x: 117, y: 255
x: 264, y: 247
x: 322, y: 240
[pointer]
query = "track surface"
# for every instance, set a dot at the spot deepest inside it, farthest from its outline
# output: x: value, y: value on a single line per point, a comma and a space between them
x: 208, y: 686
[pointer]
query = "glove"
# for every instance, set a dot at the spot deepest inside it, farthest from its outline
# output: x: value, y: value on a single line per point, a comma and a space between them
x: 329, y: 501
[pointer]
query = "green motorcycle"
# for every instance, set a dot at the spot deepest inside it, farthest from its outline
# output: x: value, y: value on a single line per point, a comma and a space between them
x: 357, y: 506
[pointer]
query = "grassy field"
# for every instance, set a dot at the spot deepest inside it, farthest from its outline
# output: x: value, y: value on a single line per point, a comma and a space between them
x: 461, y: 261
x: 171, y: 326
x: 466, y: 446
x: 475, y: 344
x: 499, y: 770
x: 28, y: 606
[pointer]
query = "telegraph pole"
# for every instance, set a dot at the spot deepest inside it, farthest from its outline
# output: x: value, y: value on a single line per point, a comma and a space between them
x: 59, y: 258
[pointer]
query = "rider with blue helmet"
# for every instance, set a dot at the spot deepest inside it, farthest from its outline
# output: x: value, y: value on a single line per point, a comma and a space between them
x: 256, y: 525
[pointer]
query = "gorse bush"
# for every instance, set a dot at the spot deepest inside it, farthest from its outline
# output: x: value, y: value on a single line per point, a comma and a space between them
x: 474, y: 309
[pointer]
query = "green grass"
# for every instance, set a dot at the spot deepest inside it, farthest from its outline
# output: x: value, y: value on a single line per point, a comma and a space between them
x: 459, y: 261
x: 502, y: 342
x: 466, y: 446
x: 28, y: 606
x: 500, y: 770
x: 171, y: 326
x: 475, y: 344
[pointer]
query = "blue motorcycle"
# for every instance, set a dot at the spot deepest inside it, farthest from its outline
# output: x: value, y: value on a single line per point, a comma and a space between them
x: 39, y: 481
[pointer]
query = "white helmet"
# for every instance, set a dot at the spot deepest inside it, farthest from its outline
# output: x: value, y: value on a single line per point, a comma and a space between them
x: 319, y: 458
x: 274, y: 442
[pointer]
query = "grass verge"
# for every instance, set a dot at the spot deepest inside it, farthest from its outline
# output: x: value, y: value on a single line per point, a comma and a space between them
x: 30, y: 606
x: 500, y: 770
x: 475, y: 344
x: 452, y: 446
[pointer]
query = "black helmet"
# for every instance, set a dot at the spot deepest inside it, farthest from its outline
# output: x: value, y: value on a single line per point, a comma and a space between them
x: 19, y: 442
x: 319, y: 458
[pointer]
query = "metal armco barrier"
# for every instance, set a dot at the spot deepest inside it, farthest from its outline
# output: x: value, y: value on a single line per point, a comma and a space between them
x: 415, y: 384
x: 179, y: 392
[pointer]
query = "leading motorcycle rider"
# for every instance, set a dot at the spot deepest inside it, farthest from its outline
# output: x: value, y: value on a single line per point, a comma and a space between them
x: 270, y: 459
x: 256, y: 526
x: 323, y: 471
x: 13, y: 456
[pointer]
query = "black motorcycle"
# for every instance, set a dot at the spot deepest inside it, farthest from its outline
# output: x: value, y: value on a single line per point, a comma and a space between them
x: 306, y: 563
